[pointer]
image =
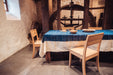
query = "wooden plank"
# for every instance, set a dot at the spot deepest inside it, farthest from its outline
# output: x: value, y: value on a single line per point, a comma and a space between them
x: 86, y: 12
x: 58, y: 14
x: 45, y: 16
x: 96, y: 8
x: 72, y: 19
x: 50, y: 7
x: 108, y: 15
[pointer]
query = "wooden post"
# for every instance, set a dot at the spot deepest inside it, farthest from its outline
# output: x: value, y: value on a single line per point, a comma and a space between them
x: 71, y: 14
x: 58, y: 14
x: 86, y: 12
x: 50, y: 7
x: 108, y: 14
x: 45, y: 16
x: 54, y: 5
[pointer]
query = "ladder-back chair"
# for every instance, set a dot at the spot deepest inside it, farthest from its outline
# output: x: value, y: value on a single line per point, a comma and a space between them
x: 36, y: 42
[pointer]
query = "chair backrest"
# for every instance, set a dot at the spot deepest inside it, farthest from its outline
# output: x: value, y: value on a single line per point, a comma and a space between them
x: 34, y: 34
x: 93, y: 39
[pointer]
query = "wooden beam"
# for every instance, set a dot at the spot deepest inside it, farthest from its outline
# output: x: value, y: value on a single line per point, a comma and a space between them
x: 86, y: 12
x: 54, y: 5
x: 45, y: 16
x: 96, y: 8
x: 108, y: 15
x: 50, y: 2
x: 58, y: 14
x: 70, y: 19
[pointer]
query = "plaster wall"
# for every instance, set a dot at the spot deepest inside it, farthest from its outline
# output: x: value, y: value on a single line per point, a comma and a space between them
x: 13, y: 33
x: 96, y: 13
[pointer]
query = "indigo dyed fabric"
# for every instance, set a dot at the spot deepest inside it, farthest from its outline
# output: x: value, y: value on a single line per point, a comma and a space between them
x: 58, y: 35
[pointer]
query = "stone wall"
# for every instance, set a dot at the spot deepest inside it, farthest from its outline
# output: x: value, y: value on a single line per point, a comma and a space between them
x: 13, y: 33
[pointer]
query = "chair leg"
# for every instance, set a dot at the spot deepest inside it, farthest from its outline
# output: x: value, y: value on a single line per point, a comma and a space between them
x: 97, y: 63
x: 33, y: 52
x: 70, y: 59
x: 84, y: 67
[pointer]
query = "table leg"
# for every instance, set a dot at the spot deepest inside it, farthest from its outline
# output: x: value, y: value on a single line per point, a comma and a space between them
x: 48, y: 57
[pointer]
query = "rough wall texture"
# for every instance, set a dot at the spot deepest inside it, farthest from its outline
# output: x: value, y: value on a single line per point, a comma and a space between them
x: 93, y: 3
x: 96, y: 13
x: 13, y: 33
x: 39, y: 14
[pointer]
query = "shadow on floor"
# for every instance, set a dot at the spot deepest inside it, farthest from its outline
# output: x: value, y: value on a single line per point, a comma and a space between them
x: 21, y: 63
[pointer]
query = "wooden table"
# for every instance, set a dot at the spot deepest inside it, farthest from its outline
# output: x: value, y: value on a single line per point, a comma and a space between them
x: 56, y: 40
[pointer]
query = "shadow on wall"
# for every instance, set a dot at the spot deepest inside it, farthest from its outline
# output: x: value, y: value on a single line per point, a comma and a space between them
x: 38, y: 27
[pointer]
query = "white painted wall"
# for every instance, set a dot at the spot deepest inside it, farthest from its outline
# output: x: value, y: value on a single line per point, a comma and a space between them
x: 13, y: 33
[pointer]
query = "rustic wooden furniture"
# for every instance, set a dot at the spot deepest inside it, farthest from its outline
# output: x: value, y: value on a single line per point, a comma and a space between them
x: 86, y: 53
x: 58, y: 41
x: 37, y: 42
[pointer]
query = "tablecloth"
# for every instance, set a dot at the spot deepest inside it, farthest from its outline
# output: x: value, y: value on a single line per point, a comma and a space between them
x: 58, y: 41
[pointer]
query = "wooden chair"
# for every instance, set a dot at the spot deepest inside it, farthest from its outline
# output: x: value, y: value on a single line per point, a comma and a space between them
x: 85, y: 53
x: 37, y: 42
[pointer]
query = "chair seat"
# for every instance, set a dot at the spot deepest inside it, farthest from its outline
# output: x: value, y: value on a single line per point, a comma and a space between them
x: 79, y: 52
x: 38, y: 42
